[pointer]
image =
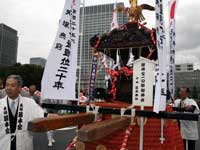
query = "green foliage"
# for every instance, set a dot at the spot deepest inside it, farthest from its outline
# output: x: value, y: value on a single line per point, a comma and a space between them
x: 31, y: 74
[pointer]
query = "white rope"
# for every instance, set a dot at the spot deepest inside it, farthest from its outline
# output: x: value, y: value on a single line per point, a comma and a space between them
x: 132, y: 115
x: 95, y: 110
x: 123, y: 110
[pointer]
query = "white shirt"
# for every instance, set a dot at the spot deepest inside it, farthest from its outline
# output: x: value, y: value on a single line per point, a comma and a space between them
x: 28, y: 110
x: 189, y: 129
x: 83, y: 99
x: 10, y: 101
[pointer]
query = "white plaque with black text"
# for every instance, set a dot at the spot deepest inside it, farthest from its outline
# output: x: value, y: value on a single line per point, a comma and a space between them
x: 143, y: 82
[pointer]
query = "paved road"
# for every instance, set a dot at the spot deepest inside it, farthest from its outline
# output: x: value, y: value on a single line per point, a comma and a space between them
x: 63, y: 137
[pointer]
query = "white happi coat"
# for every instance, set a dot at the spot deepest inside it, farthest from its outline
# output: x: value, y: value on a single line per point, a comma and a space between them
x: 189, y: 129
x: 27, y: 111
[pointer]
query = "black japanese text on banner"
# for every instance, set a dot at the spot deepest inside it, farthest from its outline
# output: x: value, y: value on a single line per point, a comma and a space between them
x: 59, y: 76
x: 172, y: 44
x: 161, y: 79
x: 93, y: 77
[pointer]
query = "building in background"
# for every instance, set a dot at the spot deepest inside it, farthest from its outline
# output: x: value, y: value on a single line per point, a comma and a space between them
x: 8, y: 45
x: 186, y: 76
x: 187, y: 67
x: 97, y: 20
x: 38, y: 61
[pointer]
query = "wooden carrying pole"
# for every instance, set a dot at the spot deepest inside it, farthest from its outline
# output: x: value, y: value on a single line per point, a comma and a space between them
x: 95, y: 131
x: 47, y: 124
x: 140, y: 113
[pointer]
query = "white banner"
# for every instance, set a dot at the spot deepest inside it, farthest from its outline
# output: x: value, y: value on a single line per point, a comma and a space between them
x: 114, y: 23
x: 161, y: 81
x: 59, y: 76
x: 172, y: 44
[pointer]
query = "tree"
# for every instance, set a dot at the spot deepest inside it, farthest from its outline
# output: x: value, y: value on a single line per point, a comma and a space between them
x: 31, y: 74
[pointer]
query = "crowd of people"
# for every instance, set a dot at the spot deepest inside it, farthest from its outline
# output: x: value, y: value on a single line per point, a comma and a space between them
x: 20, y: 105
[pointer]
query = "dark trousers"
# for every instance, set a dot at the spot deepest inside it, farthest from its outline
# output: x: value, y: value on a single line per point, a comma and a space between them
x: 191, y: 144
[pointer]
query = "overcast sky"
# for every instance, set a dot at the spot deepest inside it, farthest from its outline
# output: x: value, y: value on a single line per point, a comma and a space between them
x: 37, y: 21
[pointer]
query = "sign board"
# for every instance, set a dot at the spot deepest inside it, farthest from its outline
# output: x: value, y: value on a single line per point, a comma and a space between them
x: 143, y: 82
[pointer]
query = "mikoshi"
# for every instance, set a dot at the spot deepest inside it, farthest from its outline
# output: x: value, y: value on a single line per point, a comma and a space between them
x: 124, y: 119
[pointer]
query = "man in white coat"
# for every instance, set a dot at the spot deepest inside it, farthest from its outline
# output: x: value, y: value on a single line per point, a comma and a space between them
x: 189, y: 129
x: 15, y: 113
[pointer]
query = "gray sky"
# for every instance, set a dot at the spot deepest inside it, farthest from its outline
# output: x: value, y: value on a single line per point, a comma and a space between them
x: 37, y: 21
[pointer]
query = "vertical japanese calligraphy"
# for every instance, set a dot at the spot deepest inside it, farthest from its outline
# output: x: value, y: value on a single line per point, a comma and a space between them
x: 161, y: 82
x: 143, y: 81
x: 93, y: 77
x: 59, y: 76
x: 172, y: 44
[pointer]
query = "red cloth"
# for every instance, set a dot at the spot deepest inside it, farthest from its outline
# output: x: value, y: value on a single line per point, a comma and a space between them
x: 152, y: 131
x: 172, y: 136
